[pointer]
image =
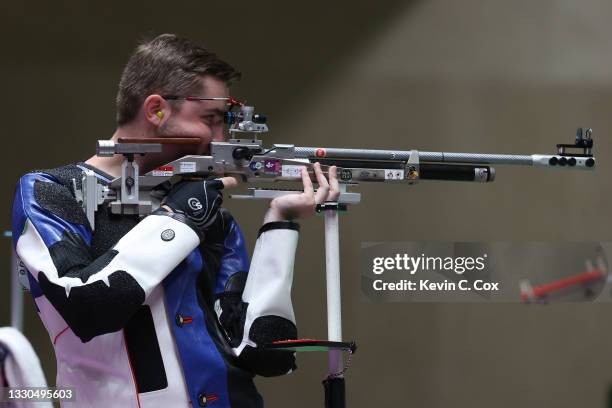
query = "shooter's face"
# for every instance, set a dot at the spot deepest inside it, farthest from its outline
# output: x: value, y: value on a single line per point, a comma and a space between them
x: 200, y: 119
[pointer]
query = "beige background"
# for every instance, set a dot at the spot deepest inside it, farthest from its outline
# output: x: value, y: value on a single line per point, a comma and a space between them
x: 480, y: 76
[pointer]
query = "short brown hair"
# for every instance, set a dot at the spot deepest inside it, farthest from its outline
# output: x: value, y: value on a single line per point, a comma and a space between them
x: 167, y: 65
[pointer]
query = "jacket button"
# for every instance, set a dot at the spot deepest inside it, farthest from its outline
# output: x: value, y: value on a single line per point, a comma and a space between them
x: 202, y: 400
x: 182, y: 320
x: 167, y: 235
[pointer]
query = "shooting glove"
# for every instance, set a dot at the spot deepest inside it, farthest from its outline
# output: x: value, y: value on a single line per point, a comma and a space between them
x: 197, y: 201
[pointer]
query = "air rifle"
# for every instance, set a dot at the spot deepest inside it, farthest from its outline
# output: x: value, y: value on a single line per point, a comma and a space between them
x: 245, y: 157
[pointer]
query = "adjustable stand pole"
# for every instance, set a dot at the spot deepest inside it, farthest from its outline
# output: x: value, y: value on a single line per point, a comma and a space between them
x: 334, y: 384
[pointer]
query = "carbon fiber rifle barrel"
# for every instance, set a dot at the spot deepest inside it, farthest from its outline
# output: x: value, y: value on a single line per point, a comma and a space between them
x: 442, y: 157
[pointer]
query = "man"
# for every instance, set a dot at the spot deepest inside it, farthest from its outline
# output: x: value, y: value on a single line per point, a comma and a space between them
x: 164, y: 310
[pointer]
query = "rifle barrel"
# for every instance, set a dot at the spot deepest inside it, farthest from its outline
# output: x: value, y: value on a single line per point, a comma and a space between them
x: 569, y: 161
x: 441, y: 157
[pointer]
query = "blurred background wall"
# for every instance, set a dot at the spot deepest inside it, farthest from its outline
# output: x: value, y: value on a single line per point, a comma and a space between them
x: 482, y: 76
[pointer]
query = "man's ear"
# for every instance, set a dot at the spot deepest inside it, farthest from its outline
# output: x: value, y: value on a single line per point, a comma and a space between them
x: 156, y: 110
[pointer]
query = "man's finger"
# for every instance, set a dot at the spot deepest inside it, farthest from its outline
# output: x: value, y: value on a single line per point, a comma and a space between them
x: 323, y: 189
x: 320, y: 176
x: 308, y: 189
x: 334, y: 191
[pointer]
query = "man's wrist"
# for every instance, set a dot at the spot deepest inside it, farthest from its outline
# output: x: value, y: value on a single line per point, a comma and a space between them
x: 279, y: 225
x: 167, y: 208
x: 273, y: 215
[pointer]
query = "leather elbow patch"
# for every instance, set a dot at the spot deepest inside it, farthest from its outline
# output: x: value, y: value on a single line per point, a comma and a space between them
x: 73, y: 258
x: 270, y: 363
x: 264, y: 330
x: 233, y: 309
x: 95, y: 308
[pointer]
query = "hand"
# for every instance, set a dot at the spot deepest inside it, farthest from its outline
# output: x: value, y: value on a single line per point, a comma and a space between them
x: 199, y: 201
x: 292, y: 206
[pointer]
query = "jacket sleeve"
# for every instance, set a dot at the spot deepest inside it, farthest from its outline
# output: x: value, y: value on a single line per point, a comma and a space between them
x: 94, y: 296
x: 255, y: 308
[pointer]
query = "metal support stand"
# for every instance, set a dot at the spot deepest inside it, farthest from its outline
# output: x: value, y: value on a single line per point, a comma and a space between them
x: 334, y: 305
x: 334, y: 383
